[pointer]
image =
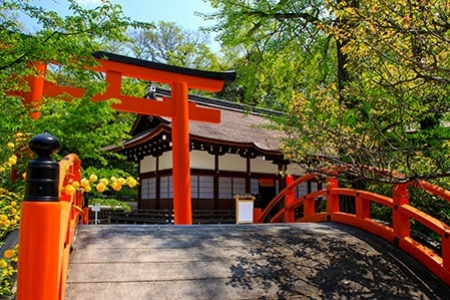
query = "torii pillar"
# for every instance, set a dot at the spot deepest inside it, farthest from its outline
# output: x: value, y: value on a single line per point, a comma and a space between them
x: 181, y: 164
x: 178, y: 108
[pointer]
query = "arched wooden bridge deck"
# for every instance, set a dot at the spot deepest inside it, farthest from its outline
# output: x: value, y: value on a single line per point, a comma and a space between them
x: 265, y: 261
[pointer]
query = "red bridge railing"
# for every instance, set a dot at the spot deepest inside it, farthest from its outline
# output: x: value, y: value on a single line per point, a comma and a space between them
x: 398, y: 234
x: 49, y: 218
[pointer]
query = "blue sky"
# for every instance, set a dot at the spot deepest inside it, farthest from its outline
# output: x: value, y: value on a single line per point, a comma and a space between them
x: 178, y: 11
x: 182, y: 12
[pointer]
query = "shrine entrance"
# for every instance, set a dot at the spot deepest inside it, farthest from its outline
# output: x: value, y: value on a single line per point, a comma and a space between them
x: 177, y: 107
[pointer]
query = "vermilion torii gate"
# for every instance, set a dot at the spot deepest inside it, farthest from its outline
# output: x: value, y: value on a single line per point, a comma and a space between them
x: 178, y: 108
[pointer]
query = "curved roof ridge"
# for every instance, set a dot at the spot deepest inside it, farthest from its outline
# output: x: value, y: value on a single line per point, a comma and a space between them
x: 226, y: 76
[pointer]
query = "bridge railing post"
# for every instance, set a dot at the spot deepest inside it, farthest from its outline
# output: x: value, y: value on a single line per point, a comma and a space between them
x: 289, y: 214
x: 446, y: 251
x: 39, y: 236
x: 332, y: 200
x: 309, y: 208
x: 400, y: 222
x: 362, y: 207
x: 86, y: 209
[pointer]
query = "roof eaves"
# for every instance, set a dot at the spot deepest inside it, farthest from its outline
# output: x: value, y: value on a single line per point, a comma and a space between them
x: 223, y: 104
x: 226, y: 76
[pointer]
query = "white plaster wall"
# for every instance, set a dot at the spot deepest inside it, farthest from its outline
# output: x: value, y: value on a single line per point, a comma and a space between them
x: 202, y: 160
x: 232, y: 162
x: 301, y: 189
x: 148, y: 164
x: 258, y: 165
x: 227, y: 162
x: 314, y: 186
x: 165, y: 161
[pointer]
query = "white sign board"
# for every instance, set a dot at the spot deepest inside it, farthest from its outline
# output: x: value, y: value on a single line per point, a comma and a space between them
x: 244, y: 211
x: 96, y: 208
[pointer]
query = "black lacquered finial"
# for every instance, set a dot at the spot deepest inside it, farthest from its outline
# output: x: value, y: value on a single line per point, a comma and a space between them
x: 44, y: 145
x: 41, y: 183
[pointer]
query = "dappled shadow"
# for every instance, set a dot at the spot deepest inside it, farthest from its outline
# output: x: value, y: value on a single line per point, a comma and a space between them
x: 269, y: 261
x: 349, y: 265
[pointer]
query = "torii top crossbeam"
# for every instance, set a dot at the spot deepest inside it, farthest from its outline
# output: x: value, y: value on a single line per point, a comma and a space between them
x: 178, y: 108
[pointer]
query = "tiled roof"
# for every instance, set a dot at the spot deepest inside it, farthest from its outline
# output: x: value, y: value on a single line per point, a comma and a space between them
x: 241, y: 126
x: 220, y: 103
x: 239, y: 123
x: 238, y: 127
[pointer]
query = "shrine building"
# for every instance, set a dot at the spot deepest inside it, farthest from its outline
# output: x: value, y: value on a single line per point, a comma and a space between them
x: 235, y: 157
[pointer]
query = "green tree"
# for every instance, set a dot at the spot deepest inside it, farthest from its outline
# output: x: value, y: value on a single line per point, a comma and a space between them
x: 171, y: 44
x: 363, y: 83
x: 280, y: 48
x: 400, y: 51
x: 83, y: 127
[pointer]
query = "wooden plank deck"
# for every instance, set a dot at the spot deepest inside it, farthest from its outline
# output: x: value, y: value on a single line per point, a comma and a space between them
x: 292, y: 261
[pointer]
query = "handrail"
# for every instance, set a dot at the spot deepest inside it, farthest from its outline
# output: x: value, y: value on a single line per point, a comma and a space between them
x: 47, y: 229
x: 72, y: 211
x: 283, y: 193
x: 434, y: 189
x: 398, y: 234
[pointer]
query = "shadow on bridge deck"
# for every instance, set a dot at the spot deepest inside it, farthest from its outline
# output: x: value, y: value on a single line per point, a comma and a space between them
x: 287, y: 261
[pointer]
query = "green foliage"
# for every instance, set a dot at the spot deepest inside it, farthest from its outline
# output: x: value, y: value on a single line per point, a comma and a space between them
x: 364, y: 83
x: 399, y: 53
x: 82, y: 127
x: 169, y: 43
x: 10, y: 199
x: 67, y: 40
x: 9, y: 158
x: 9, y: 213
x: 280, y: 48
x: 8, y: 270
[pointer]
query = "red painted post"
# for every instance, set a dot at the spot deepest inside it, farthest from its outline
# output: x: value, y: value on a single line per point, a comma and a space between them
x: 33, y: 98
x: 309, y: 208
x: 86, y: 212
x: 362, y: 207
x: 38, y: 276
x: 446, y: 251
x: 257, y: 212
x: 289, y: 215
x: 180, y: 155
x: 332, y: 200
x: 400, y: 222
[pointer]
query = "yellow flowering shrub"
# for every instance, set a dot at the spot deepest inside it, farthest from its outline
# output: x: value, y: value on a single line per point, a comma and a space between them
x: 10, y: 203
x: 7, y: 271
x: 101, y: 186
x: 9, y: 214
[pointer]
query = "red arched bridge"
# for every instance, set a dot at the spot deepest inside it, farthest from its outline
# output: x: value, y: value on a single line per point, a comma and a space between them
x: 399, y: 233
x: 200, y: 262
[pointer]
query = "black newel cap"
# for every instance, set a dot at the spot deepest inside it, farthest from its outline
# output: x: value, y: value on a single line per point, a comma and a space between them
x: 42, y: 179
x: 44, y: 145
